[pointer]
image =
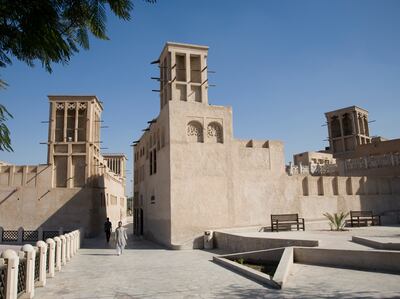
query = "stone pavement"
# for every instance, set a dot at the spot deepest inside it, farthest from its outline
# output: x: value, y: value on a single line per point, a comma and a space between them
x: 148, y: 271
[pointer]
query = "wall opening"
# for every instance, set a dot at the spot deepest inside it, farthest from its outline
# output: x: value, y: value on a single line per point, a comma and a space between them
x: 349, y: 188
x: 195, y: 132
x: 195, y: 71
x: 60, y: 164
x: 181, y: 67
x: 347, y: 124
x: 335, y: 186
x: 78, y: 170
x: 304, y: 185
x: 82, y: 124
x: 320, y: 186
x: 335, y: 127
x: 215, y: 132
x: 59, y: 130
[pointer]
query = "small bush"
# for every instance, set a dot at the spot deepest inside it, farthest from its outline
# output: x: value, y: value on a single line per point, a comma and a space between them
x: 337, y: 221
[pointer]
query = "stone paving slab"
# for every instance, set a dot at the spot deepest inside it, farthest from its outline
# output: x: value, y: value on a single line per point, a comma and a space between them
x: 148, y: 271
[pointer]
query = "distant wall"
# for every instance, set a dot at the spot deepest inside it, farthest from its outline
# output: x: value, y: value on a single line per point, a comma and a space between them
x: 27, y: 199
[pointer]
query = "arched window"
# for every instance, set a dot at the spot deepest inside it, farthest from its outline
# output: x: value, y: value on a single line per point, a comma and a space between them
x: 215, y: 132
x: 194, y: 131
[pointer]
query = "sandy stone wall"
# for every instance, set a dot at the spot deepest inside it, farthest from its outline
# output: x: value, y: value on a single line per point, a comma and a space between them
x: 28, y: 199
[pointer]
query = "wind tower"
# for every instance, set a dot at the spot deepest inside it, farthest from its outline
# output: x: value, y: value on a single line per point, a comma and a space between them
x: 183, y: 73
x: 74, y: 140
x: 348, y: 128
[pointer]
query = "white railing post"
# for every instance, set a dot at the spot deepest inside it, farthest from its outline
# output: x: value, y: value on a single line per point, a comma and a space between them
x: 80, y: 236
x: 72, y: 236
x: 72, y: 243
x: 51, y: 253
x: 58, y: 253
x: 30, y: 254
x: 76, y: 241
x: 68, y: 247
x: 12, y: 261
x: 63, y: 250
x: 42, y: 263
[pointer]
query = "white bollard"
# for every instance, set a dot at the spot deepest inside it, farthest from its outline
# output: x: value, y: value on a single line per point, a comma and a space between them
x: 58, y: 253
x: 51, y: 245
x: 68, y: 247
x: 63, y: 250
x: 72, y: 250
x: 76, y: 241
x: 30, y: 254
x: 43, y: 261
x: 12, y: 260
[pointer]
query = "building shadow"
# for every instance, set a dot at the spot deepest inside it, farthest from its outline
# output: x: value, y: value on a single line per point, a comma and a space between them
x: 82, y: 208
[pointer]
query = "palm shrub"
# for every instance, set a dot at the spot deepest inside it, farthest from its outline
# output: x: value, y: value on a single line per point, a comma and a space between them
x: 337, y: 220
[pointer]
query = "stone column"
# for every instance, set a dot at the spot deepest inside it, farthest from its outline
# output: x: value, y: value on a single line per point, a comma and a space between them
x: 173, y: 75
x: 188, y: 75
x: 63, y: 250
x: 30, y: 254
x: 58, y: 253
x: 51, y: 245
x: 204, y: 77
x: 12, y: 261
x: 43, y: 261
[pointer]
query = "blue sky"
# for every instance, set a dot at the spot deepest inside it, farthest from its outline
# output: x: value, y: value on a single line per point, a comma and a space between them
x: 279, y: 64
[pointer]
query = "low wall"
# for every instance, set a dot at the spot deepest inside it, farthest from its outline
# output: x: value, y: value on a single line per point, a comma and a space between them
x: 370, y: 260
x: 235, y: 243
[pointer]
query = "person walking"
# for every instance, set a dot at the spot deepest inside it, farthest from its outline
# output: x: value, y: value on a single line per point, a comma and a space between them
x: 107, y: 229
x: 120, y: 238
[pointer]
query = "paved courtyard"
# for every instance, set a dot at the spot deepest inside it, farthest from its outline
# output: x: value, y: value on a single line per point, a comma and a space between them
x: 148, y: 271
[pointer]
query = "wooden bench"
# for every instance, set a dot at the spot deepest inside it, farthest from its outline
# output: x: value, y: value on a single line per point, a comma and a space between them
x: 364, y: 216
x: 286, y: 220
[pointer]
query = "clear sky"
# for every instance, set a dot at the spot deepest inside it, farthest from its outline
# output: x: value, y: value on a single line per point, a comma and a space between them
x: 279, y: 64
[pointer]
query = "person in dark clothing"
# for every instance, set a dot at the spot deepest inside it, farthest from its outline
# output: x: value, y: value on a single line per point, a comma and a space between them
x: 107, y: 229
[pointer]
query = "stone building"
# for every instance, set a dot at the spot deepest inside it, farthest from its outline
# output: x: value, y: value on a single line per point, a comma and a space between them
x: 77, y: 187
x: 191, y: 174
x: 357, y: 153
x: 347, y: 128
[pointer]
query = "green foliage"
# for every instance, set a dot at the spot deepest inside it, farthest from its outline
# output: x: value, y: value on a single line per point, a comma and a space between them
x: 51, y: 31
x: 5, y: 140
x: 240, y: 261
x: 337, y: 221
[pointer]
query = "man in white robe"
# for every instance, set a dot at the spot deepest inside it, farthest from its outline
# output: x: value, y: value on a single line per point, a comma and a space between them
x: 120, y: 238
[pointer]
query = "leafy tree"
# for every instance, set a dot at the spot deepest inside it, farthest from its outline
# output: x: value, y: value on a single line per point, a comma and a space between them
x: 51, y: 31
x: 5, y: 142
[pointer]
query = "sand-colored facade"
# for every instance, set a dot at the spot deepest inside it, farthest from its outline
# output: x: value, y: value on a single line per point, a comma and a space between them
x: 76, y: 187
x: 192, y: 175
